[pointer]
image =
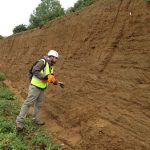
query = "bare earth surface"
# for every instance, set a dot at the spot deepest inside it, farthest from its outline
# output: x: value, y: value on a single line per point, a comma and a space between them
x: 105, y: 64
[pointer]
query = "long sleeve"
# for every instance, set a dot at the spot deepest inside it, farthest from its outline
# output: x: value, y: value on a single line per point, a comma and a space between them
x: 37, y: 70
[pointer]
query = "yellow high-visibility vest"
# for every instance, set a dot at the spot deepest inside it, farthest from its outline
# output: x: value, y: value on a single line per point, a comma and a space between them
x: 47, y: 70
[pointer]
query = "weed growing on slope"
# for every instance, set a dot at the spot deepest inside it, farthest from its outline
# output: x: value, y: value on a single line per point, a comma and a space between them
x: 2, y: 76
x: 42, y: 141
x: 5, y: 93
x: 8, y: 108
x: 6, y: 126
x: 10, y: 141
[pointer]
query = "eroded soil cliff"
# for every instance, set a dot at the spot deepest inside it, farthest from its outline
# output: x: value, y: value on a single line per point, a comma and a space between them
x: 105, y: 64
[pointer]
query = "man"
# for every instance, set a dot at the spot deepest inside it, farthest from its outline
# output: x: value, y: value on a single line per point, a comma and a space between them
x: 42, y: 75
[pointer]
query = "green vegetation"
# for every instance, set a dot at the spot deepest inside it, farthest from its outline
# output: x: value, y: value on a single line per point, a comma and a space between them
x: 6, y: 94
x: 31, y: 138
x: 79, y: 5
x: 2, y: 76
x: 1, y: 37
x: 47, y: 10
x: 147, y: 0
x: 9, y: 141
x: 41, y: 140
x: 19, y: 28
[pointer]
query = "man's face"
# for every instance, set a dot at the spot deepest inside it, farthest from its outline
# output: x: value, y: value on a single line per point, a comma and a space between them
x: 54, y: 60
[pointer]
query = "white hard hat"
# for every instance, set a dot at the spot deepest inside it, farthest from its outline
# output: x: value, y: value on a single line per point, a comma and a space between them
x: 53, y: 53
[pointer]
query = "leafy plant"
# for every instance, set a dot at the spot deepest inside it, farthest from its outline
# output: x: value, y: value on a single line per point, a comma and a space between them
x: 2, y: 76
x: 19, y: 28
x: 79, y: 5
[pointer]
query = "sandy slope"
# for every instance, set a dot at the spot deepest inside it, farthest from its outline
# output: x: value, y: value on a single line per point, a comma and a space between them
x: 105, y: 64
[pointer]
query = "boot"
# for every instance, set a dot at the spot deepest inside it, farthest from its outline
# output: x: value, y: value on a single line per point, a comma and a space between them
x: 19, y: 125
x: 38, y: 122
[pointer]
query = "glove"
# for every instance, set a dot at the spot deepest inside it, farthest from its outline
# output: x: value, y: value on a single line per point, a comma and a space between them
x: 51, y: 79
x: 61, y: 84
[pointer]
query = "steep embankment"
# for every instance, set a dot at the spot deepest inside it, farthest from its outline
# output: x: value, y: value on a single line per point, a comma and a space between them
x: 105, y: 63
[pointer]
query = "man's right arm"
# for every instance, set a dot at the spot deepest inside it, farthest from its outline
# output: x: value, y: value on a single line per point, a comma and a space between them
x: 37, y: 70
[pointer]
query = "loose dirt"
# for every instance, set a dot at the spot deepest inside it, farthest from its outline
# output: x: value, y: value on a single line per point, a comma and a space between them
x: 105, y: 64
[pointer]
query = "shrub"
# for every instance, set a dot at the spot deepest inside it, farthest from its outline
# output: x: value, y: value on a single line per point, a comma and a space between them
x: 2, y: 76
x: 19, y: 28
x: 79, y: 5
x: 1, y: 37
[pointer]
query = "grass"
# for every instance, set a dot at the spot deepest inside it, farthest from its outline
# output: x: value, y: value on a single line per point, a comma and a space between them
x: 31, y: 138
x: 42, y: 140
x: 5, y: 93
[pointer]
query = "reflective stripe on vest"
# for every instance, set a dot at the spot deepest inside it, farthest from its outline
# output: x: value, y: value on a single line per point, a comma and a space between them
x: 37, y: 82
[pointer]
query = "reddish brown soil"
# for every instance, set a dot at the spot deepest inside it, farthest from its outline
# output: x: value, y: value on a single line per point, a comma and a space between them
x: 105, y: 64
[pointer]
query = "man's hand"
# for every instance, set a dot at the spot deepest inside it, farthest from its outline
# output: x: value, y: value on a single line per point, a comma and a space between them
x: 61, y: 84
